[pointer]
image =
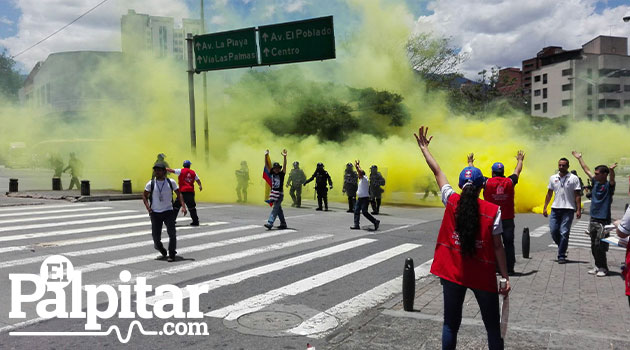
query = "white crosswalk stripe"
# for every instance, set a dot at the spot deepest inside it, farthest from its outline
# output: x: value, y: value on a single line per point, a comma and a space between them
x: 26, y: 208
x: 71, y: 216
x: 27, y: 213
x: 579, y: 236
x: 67, y: 223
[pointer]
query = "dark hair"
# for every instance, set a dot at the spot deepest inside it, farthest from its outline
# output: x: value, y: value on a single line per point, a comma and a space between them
x: 467, y: 219
x: 566, y: 160
x: 602, y: 169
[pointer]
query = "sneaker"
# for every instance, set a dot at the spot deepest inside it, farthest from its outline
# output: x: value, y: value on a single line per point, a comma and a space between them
x: 378, y: 222
x: 268, y: 226
x: 194, y: 224
x: 562, y: 260
x: 349, y: 211
x: 602, y: 273
x: 355, y: 227
x: 282, y: 227
x: 593, y: 271
x: 170, y: 259
x: 318, y: 209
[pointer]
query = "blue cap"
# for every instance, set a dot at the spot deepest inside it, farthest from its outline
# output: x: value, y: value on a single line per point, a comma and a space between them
x: 498, y: 168
x: 187, y: 163
x: 472, y: 175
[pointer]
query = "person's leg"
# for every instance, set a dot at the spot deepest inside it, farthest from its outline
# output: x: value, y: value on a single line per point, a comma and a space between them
x: 278, y: 203
x: 156, y: 232
x: 508, y: 243
x: 245, y: 193
x: 273, y: 215
x: 373, y: 203
x: 489, y: 306
x: 299, y: 196
x: 454, y: 295
x: 238, y: 193
x: 366, y: 212
x: 378, y: 205
x: 325, y: 199
x: 565, y: 231
x: 189, y: 199
x: 357, y: 212
x: 319, y: 199
x: 554, y: 227
x: 292, y: 194
x: 169, y: 221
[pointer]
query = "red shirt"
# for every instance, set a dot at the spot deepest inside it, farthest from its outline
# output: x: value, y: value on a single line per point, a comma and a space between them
x: 187, y: 180
x: 476, y: 271
x: 500, y: 191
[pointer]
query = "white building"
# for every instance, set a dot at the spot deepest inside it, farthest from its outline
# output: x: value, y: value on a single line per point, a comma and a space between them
x: 141, y: 33
x: 590, y: 83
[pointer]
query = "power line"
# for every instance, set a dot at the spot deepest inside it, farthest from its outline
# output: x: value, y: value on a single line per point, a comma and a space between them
x: 60, y: 29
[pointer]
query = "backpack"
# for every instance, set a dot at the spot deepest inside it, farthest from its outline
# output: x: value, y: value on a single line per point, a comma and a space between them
x: 170, y: 184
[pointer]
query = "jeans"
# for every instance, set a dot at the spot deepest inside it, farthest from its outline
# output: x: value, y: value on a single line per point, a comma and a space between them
x: 508, y: 243
x: 454, y: 295
x: 276, y: 211
x: 168, y: 218
x: 362, y: 206
x: 598, y: 248
x: 560, y: 226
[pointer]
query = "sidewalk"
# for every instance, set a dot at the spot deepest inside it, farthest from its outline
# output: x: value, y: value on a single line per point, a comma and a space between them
x: 552, y: 306
x: 75, y: 195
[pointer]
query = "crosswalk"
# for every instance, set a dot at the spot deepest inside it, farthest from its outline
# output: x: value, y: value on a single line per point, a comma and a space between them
x: 222, y: 255
x: 579, y: 236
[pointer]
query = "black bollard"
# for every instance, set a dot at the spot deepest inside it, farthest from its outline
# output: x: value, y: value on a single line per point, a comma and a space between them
x: 126, y: 186
x: 13, y: 185
x: 409, y: 285
x: 525, y: 243
x: 85, y: 187
x: 56, y: 184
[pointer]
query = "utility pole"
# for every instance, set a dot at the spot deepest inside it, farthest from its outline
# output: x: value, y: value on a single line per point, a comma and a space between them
x: 206, y: 132
x: 191, y: 93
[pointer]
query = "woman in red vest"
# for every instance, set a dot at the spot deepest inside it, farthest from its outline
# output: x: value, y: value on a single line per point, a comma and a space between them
x: 468, y: 250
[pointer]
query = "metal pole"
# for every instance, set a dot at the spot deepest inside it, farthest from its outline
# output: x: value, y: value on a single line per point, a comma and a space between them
x: 206, y: 135
x: 191, y: 93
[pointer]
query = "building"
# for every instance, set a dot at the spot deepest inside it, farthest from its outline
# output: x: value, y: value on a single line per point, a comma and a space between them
x: 144, y: 33
x: 510, y: 82
x: 591, y: 83
x: 531, y: 64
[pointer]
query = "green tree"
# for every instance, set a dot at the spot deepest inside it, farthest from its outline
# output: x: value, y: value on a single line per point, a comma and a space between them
x: 434, y: 58
x: 10, y: 78
x: 385, y: 103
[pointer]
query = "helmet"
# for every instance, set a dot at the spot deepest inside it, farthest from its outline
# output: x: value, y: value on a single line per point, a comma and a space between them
x: 161, y: 155
x: 296, y: 163
x: 159, y: 165
x: 320, y: 165
x: 244, y: 163
x: 349, y: 164
x: 373, y: 167
x: 187, y: 164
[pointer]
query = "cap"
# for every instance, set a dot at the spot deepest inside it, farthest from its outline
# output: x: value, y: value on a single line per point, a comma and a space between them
x: 159, y: 165
x: 472, y: 175
x: 187, y: 163
x: 276, y: 165
x: 498, y: 168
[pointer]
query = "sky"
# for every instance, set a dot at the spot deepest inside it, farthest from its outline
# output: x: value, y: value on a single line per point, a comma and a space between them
x: 490, y: 32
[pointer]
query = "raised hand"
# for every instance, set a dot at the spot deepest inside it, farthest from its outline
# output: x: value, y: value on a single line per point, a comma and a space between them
x: 577, y: 155
x: 284, y: 153
x: 613, y: 166
x: 520, y: 155
x: 266, y: 151
x: 471, y: 159
x: 421, y: 137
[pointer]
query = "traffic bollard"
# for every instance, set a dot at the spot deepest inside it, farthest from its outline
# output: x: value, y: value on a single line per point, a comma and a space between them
x: 56, y: 184
x: 409, y: 285
x: 85, y: 187
x: 525, y: 243
x: 126, y: 186
x: 13, y: 185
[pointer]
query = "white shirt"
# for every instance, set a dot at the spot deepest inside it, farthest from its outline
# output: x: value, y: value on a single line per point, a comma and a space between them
x: 564, y: 188
x: 624, y: 224
x: 162, y: 199
x: 179, y: 171
x: 497, y: 226
x: 364, y: 187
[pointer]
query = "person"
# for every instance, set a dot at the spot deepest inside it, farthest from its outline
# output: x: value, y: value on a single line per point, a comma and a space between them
x: 582, y: 187
x: 321, y: 176
x: 160, y: 160
x: 350, y: 186
x: 187, y: 178
x: 603, y: 180
x: 363, y: 194
x: 567, y: 200
x: 376, y: 181
x: 430, y: 187
x: 296, y: 179
x: 56, y: 163
x: 500, y: 191
x: 468, y: 250
x: 242, y: 180
x: 623, y: 231
x: 158, y: 199
x: 276, y: 196
x: 76, y: 170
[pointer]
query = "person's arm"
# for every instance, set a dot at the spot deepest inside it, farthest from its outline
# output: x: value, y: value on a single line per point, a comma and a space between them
x: 611, y: 175
x: 578, y: 205
x: 170, y: 170
x: 578, y: 156
x: 199, y: 183
x: 471, y: 159
x: 145, y: 199
x: 547, y: 200
x: 180, y: 198
x: 423, y: 143
x: 520, y: 155
x: 499, y: 253
x: 284, y: 163
x: 357, y: 166
x: 330, y: 182
x: 623, y: 225
x: 311, y: 178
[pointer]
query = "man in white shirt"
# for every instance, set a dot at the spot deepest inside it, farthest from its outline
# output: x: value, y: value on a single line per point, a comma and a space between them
x: 567, y: 200
x: 158, y: 199
x: 363, y: 199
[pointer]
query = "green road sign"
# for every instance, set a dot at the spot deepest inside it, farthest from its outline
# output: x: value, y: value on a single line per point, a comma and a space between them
x: 225, y: 50
x: 308, y: 40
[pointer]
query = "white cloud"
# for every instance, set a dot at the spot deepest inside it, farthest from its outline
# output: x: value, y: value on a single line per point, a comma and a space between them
x: 99, y: 30
x: 218, y: 20
x: 295, y: 6
x: 5, y: 20
x: 505, y: 32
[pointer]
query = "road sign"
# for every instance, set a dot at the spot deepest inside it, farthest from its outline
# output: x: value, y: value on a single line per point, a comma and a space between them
x: 225, y: 50
x: 308, y: 40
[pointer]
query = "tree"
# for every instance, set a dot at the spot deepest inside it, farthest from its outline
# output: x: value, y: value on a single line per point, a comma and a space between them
x: 434, y: 57
x: 10, y: 78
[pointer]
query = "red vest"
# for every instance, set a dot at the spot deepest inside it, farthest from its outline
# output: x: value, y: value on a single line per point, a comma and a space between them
x: 626, y: 271
x: 187, y: 180
x: 500, y: 191
x: 476, y: 271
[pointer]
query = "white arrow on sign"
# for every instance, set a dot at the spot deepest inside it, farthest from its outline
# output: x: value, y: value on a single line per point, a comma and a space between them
x: 198, y: 59
x: 197, y: 45
x: 266, y: 51
x: 265, y: 36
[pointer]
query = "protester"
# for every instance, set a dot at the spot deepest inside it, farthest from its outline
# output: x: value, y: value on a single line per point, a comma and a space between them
x: 187, y: 178
x: 468, y: 250
x: 567, y: 200
x: 158, y: 199
x: 601, y: 200
x: 363, y: 200
x: 500, y: 191
x: 276, y: 196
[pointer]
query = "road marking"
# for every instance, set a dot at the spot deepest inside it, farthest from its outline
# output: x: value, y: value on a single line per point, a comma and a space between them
x: 223, y: 258
x: 321, y: 324
x: 53, y: 211
x: 38, y: 207
x: 42, y: 218
x: 64, y: 223
x: 298, y: 216
x: 392, y: 229
x: 540, y: 231
x: 215, y: 207
x: 255, y: 303
x: 259, y: 271
x: 35, y: 259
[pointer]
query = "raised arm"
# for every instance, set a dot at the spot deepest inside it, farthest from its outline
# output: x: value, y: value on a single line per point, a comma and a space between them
x: 284, y: 163
x: 423, y: 143
x: 578, y: 156
x: 471, y: 159
x: 357, y: 166
x: 611, y: 175
x: 520, y: 155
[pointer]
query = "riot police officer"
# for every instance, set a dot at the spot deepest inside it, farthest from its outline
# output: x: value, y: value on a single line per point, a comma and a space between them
x: 350, y: 186
x: 376, y: 181
x: 242, y: 181
x: 321, y: 176
x: 296, y: 179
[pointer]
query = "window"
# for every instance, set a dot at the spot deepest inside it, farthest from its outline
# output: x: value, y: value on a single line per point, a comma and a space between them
x: 545, y: 93
x: 537, y: 78
x: 544, y: 107
x: 609, y: 103
x: 566, y: 72
x: 589, y: 74
x: 537, y: 107
x: 566, y: 102
x: 544, y: 78
x: 609, y: 88
x: 567, y: 87
x: 626, y: 88
x: 528, y: 78
x: 537, y: 92
x: 589, y: 89
x: 589, y: 105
